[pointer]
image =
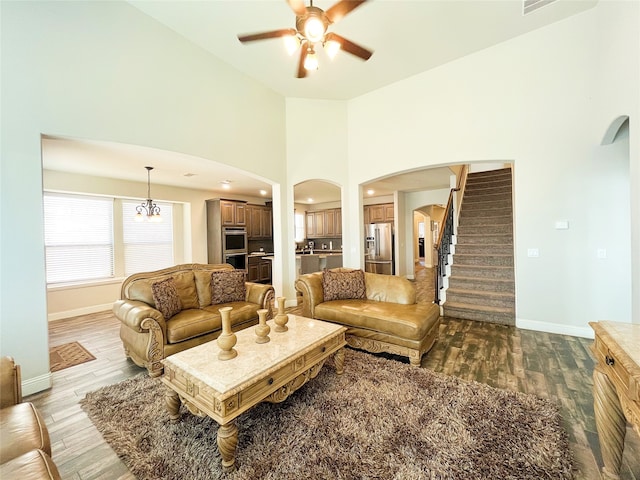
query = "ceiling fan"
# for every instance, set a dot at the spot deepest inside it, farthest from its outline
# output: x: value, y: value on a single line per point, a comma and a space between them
x: 311, y: 32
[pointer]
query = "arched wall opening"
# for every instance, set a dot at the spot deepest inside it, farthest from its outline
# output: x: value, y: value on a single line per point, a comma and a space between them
x: 91, y: 168
x: 317, y: 224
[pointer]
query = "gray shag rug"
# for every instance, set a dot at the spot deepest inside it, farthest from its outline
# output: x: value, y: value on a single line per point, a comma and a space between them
x: 381, y: 419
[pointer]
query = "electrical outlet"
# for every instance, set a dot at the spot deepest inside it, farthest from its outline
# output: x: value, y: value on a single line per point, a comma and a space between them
x: 533, y: 252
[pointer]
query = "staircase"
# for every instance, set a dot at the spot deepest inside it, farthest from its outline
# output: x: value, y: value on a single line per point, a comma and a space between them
x: 481, y: 285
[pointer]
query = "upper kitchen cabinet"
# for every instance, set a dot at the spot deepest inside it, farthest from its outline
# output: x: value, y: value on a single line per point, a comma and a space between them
x: 259, y: 222
x: 324, y: 223
x: 233, y: 213
x: 380, y: 213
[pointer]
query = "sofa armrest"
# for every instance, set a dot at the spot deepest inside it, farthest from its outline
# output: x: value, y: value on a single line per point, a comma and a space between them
x: 261, y: 294
x: 133, y: 313
x: 10, y: 382
x: 310, y: 286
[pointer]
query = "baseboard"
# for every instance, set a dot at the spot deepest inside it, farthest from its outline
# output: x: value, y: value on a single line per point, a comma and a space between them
x: 79, y: 311
x: 36, y: 384
x: 585, y: 332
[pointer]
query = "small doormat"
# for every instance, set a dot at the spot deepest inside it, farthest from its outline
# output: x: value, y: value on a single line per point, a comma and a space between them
x: 68, y: 355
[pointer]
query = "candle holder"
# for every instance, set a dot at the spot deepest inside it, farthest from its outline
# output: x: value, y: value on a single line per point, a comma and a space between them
x: 262, y: 329
x: 227, y: 338
x: 281, y: 318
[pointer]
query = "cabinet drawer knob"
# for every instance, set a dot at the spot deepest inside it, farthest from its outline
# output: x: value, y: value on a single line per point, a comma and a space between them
x: 270, y: 381
x: 609, y: 360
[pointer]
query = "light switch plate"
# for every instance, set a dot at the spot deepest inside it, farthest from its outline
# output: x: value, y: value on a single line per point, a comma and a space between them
x: 602, y: 253
x: 533, y: 252
x: 562, y: 224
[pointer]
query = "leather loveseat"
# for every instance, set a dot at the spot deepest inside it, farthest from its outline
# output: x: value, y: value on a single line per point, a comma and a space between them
x: 166, y: 311
x: 25, y: 447
x: 379, y: 311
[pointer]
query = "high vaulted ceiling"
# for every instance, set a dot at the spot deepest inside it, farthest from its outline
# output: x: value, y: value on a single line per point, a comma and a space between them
x: 407, y: 37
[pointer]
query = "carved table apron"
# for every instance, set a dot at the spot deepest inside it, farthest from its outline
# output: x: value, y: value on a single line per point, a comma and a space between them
x: 267, y: 372
x: 616, y: 389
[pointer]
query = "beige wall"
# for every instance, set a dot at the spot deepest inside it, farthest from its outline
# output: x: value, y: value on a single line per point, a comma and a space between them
x: 66, y: 71
x: 537, y: 101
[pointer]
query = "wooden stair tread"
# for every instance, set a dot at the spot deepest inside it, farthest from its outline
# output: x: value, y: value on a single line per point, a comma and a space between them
x: 481, y: 308
x: 480, y: 293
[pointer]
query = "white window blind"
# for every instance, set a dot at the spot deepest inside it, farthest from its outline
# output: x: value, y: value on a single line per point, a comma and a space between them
x: 78, y: 237
x: 147, y: 245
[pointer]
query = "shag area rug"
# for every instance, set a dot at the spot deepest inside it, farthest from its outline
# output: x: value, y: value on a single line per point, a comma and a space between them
x: 67, y: 355
x: 381, y: 419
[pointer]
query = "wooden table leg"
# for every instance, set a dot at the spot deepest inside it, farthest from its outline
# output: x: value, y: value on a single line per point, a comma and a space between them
x: 610, y: 422
x: 338, y: 360
x: 172, y: 400
x: 227, y: 443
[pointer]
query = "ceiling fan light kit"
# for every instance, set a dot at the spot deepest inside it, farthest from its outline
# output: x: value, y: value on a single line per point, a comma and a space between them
x: 311, y: 30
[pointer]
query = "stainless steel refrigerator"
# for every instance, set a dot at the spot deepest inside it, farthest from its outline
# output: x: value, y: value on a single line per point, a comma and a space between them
x: 378, y: 253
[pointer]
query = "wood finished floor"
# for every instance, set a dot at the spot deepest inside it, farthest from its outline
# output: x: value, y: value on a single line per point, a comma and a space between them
x: 556, y: 367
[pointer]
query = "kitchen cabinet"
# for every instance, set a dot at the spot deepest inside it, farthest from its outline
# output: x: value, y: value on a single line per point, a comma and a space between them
x: 324, y: 223
x: 259, y: 270
x: 233, y: 214
x: 380, y: 213
x: 315, y: 224
x: 259, y: 222
x: 329, y: 223
x: 388, y: 213
x: 265, y: 271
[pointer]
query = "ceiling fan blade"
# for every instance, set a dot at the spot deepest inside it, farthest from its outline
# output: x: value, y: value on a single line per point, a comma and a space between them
x: 297, y: 6
x: 264, y: 35
x: 340, y: 9
x: 349, y: 46
x: 302, y: 72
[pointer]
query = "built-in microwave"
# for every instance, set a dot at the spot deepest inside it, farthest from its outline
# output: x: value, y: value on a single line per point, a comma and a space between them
x: 234, y: 240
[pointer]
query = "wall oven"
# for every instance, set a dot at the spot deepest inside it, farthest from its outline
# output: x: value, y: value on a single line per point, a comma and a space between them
x: 236, y: 260
x: 234, y: 240
x: 235, y: 248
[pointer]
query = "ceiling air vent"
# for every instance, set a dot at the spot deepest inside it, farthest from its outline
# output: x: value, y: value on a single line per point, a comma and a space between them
x: 529, y: 6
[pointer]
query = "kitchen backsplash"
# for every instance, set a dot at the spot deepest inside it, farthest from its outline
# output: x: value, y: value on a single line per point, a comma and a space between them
x: 256, y: 245
x: 330, y: 243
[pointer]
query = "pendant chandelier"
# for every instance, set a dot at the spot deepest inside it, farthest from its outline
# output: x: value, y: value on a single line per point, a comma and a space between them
x: 148, y: 210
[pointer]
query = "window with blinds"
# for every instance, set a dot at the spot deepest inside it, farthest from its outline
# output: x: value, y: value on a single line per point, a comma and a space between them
x: 78, y: 236
x: 298, y: 221
x: 147, y: 245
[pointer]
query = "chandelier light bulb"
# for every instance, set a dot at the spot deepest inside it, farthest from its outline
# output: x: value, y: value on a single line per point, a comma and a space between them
x: 291, y: 43
x: 332, y: 48
x: 314, y: 29
x: 311, y: 61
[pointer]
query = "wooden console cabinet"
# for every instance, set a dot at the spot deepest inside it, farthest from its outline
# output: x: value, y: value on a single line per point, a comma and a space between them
x: 616, y: 389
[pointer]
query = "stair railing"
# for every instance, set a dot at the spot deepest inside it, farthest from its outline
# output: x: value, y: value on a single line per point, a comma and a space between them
x: 445, y: 239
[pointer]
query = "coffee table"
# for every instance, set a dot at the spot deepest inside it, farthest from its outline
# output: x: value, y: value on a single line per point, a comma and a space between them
x: 267, y: 372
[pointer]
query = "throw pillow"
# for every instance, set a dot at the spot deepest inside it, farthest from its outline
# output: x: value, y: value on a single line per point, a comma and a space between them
x: 166, y: 298
x: 343, y: 285
x: 228, y: 286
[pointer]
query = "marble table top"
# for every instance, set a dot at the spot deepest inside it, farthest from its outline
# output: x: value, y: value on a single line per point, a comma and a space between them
x: 253, y: 359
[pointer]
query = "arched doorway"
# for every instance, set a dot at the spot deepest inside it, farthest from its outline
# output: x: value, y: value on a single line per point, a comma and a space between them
x: 318, y: 225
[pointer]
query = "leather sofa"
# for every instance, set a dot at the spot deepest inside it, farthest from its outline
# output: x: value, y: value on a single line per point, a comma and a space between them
x: 150, y: 333
x: 25, y: 447
x: 382, y: 317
